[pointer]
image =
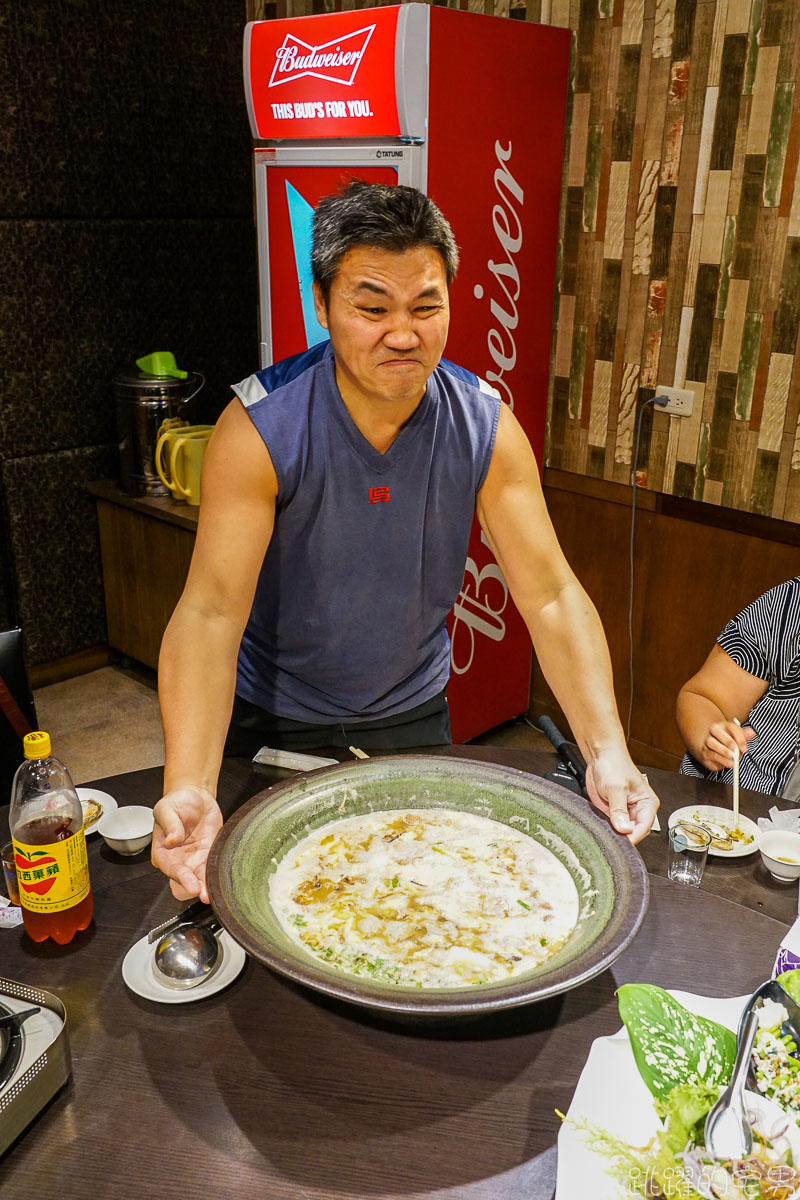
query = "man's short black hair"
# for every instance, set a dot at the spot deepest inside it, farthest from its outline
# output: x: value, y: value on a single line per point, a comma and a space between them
x: 379, y: 216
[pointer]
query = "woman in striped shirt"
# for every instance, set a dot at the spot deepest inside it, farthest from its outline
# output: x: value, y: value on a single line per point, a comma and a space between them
x: 747, y: 694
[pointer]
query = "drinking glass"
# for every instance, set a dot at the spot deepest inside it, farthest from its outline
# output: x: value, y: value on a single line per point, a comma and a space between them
x: 10, y: 872
x: 688, y: 850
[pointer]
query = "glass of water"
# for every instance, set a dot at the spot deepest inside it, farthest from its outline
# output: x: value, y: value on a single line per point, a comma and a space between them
x: 688, y: 850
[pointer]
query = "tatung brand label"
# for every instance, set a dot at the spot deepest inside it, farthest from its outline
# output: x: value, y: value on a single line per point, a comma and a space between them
x: 336, y: 61
x: 302, y: 74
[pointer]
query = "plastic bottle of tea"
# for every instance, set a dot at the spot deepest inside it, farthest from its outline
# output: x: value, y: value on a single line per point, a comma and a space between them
x: 46, y: 822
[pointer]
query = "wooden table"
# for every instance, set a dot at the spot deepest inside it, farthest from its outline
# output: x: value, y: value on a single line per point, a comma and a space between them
x: 266, y: 1091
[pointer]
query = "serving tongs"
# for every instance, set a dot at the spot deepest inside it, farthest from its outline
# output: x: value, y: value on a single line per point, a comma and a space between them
x: 191, y: 915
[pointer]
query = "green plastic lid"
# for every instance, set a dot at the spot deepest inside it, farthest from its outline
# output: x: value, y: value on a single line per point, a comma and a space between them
x: 161, y: 362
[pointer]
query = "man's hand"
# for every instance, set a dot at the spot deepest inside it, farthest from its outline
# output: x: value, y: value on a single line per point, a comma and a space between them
x: 721, y: 741
x: 620, y: 791
x: 187, y: 821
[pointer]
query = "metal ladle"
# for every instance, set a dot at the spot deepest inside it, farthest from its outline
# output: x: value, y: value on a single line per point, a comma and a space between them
x: 188, y: 955
x: 727, y: 1130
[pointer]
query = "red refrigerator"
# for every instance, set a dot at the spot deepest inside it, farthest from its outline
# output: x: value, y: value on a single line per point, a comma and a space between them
x: 470, y: 110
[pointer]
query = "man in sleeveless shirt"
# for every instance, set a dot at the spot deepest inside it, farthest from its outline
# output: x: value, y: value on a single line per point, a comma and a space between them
x: 338, y: 493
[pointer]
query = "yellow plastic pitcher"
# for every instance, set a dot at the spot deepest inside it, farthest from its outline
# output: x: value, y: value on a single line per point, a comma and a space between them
x: 185, y: 463
x: 164, y: 457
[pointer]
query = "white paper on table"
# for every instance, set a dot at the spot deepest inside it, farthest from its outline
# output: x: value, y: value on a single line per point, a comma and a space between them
x: 10, y: 914
x: 781, y: 818
x: 611, y: 1095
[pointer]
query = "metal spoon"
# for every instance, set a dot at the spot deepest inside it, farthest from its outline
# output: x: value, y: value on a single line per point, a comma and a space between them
x: 188, y: 955
x: 727, y: 1130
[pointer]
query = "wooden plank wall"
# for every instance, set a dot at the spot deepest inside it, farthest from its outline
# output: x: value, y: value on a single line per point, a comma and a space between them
x: 681, y: 250
x: 695, y: 566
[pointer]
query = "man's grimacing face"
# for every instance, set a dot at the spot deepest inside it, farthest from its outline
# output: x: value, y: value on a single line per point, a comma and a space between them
x: 388, y: 314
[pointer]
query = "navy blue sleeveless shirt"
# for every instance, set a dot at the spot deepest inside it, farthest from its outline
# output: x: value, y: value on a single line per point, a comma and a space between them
x: 368, y: 551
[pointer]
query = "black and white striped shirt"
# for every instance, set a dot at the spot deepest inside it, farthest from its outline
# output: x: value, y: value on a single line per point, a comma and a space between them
x: 765, y: 641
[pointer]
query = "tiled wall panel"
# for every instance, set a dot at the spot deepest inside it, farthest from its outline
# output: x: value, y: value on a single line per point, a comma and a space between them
x: 126, y: 226
x: 116, y: 110
x: 79, y: 300
x: 53, y: 537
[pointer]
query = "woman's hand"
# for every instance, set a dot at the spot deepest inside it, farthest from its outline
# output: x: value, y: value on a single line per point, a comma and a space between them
x: 718, y: 749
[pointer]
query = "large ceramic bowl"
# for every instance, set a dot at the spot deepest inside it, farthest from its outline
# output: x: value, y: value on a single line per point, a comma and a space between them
x: 608, y: 872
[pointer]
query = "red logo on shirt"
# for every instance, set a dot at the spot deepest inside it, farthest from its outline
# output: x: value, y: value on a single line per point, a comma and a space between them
x: 379, y: 495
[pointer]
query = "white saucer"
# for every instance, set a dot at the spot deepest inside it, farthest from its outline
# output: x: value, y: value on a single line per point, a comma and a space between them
x: 697, y: 813
x: 138, y: 971
x: 108, y: 802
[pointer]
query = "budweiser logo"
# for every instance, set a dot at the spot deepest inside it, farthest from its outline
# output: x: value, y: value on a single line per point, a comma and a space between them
x: 484, y: 592
x: 335, y: 61
x: 507, y: 225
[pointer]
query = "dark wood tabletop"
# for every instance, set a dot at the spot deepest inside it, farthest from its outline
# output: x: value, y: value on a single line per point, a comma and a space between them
x: 266, y: 1091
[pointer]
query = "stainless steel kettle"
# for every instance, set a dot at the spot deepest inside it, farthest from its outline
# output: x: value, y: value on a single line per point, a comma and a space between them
x: 156, y: 393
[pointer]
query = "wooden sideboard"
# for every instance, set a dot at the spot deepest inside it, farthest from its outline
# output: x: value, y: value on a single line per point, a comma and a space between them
x: 146, y: 545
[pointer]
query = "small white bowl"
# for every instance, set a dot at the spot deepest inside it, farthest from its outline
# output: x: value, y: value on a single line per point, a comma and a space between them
x: 128, y: 830
x: 780, y: 853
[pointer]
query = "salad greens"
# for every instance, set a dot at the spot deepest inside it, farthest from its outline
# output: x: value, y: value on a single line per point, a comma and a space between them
x: 684, y: 1112
x: 790, y: 982
x: 685, y: 1061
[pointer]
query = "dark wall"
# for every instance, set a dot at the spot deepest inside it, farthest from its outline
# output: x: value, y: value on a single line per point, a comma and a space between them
x: 125, y: 227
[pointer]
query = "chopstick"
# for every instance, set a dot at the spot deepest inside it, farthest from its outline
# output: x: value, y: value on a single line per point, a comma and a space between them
x: 737, y: 757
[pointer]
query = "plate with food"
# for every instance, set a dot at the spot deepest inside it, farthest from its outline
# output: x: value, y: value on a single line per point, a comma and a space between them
x: 94, y: 804
x: 727, y: 839
x: 670, y: 1062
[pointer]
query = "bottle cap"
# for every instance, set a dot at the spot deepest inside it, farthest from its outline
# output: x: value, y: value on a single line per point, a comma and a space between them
x: 36, y: 745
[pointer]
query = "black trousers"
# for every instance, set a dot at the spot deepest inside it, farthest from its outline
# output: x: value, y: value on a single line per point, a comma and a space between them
x: 252, y: 727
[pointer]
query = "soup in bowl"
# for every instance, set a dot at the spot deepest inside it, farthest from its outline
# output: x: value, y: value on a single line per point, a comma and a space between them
x: 427, y: 885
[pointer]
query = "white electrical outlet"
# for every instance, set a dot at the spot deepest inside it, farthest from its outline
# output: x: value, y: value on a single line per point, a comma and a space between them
x: 681, y: 401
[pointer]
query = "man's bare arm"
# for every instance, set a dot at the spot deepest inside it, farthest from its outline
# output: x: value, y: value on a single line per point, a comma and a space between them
x: 564, y: 626
x: 711, y: 706
x: 197, y: 664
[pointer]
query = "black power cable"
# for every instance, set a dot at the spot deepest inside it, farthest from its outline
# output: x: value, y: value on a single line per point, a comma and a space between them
x: 662, y: 400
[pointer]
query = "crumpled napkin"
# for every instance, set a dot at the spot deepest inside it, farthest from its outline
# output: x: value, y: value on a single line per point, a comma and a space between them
x: 786, y: 819
x: 10, y: 914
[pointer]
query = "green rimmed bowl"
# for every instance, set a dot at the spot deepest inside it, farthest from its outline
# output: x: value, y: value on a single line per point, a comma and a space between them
x: 607, y: 870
